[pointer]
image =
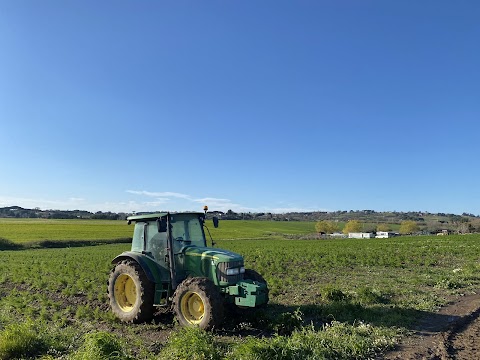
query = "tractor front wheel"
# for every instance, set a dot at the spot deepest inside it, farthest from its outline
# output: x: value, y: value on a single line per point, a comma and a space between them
x: 130, y: 292
x: 197, y: 302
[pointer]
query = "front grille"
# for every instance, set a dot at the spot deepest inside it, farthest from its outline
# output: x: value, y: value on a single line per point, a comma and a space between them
x: 222, y: 272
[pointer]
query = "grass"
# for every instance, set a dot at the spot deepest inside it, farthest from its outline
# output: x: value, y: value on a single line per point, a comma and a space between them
x: 21, y: 340
x: 35, y: 230
x: 102, y: 345
x: 31, y: 230
x: 29, y: 339
x: 258, y: 230
x: 335, y: 341
x: 192, y: 343
x: 337, y: 298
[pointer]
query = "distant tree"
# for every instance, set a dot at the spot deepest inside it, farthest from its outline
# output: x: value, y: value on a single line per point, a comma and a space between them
x: 409, y: 227
x: 369, y: 228
x: 326, y: 226
x: 465, y: 228
x: 433, y: 226
x: 231, y: 215
x: 383, y: 227
x: 353, y: 226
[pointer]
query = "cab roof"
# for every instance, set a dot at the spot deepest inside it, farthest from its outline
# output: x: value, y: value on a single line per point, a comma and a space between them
x: 157, y: 215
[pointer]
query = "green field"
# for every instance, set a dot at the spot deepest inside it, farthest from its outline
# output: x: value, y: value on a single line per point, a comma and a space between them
x: 29, y: 230
x: 330, y: 299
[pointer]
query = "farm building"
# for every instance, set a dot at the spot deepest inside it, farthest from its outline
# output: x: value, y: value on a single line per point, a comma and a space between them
x: 360, y: 235
x: 338, y: 235
x: 385, y: 234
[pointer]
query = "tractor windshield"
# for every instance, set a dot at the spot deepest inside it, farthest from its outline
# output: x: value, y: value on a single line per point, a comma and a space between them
x: 188, y: 228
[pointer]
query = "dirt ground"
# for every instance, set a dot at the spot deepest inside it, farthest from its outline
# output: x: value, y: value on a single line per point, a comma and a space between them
x: 452, y: 333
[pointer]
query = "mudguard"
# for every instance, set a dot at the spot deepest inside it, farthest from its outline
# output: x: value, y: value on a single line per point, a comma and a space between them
x: 154, y: 272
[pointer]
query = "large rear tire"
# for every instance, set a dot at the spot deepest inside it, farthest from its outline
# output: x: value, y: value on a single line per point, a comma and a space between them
x: 197, y: 302
x: 130, y: 293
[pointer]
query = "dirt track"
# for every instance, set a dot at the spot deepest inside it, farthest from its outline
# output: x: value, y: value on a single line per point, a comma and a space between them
x: 452, y: 333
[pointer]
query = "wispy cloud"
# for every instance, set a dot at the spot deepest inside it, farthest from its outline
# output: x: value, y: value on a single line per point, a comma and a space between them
x: 147, y: 201
x: 213, y: 203
x: 160, y: 194
x: 220, y: 204
x: 223, y: 204
x: 64, y: 204
x: 282, y: 210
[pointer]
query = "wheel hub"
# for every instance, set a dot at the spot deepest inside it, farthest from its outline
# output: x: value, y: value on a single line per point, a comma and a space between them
x: 125, y: 292
x: 193, y: 308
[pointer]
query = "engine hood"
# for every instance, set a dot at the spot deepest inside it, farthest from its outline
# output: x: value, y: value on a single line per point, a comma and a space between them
x: 217, y: 255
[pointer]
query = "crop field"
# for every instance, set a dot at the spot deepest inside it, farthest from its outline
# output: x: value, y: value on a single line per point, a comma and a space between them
x: 330, y: 299
x: 31, y: 230
x: 34, y: 230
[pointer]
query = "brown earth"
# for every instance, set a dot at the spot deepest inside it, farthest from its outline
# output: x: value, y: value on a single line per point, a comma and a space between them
x: 452, y: 333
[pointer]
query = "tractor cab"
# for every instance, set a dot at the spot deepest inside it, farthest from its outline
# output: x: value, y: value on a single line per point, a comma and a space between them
x: 150, y: 235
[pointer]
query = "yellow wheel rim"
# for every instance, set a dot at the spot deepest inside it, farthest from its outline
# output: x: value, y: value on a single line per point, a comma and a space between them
x: 125, y: 292
x: 193, y: 308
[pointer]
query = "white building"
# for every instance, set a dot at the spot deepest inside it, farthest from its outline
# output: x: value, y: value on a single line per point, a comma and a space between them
x: 337, y: 235
x: 360, y: 235
x: 385, y: 234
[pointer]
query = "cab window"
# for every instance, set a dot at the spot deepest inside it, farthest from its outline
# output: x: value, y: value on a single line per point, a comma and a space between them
x: 187, y: 228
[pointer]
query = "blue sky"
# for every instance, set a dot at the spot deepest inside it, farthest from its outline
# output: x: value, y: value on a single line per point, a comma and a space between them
x: 244, y: 105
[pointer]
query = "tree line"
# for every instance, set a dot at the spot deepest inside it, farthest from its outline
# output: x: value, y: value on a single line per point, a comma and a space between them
x: 406, y: 227
x: 371, y: 220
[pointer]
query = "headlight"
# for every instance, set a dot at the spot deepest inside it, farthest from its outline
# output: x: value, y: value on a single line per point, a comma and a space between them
x: 242, y: 270
x: 233, y: 271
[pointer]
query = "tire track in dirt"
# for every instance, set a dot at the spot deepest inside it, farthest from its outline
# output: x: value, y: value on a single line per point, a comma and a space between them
x: 451, y: 334
x: 463, y: 342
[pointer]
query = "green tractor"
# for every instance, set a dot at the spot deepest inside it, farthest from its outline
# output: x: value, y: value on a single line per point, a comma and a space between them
x: 171, y: 266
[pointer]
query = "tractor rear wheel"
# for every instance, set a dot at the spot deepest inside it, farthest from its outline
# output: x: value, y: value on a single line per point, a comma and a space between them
x: 130, y: 292
x: 197, y: 302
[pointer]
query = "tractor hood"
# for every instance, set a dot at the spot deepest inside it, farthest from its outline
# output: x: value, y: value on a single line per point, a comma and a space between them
x: 210, y: 263
x: 212, y: 254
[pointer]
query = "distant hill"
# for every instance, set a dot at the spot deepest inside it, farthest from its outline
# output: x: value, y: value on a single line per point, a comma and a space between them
x: 430, y: 222
x: 19, y: 212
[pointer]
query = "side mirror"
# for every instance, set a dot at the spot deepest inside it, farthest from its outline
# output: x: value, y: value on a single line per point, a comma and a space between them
x: 162, y: 224
x: 215, y: 222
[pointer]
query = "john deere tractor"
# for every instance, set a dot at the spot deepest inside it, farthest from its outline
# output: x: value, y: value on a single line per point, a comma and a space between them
x: 170, y: 265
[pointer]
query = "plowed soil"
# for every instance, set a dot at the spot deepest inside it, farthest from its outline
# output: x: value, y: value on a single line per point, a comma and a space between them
x: 452, y: 333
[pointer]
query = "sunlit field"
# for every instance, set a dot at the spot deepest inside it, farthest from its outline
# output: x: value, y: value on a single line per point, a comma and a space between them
x: 342, y: 298
x: 29, y: 230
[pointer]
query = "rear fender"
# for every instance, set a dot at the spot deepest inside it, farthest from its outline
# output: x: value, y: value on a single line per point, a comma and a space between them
x: 149, y: 266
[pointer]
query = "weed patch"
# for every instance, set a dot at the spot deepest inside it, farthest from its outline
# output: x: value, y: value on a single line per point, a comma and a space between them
x: 191, y: 343
x: 23, y: 340
x: 366, y: 295
x: 334, y: 294
x: 6, y: 244
x: 101, y: 346
x: 336, y: 341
